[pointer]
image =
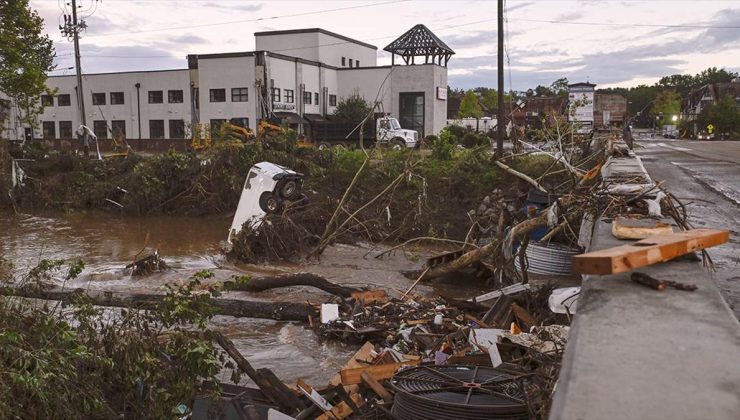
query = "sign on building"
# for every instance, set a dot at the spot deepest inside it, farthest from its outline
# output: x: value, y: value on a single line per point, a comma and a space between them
x: 442, y: 92
x: 581, y: 99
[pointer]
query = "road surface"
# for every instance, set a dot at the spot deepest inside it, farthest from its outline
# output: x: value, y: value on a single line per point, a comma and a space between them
x: 706, y: 176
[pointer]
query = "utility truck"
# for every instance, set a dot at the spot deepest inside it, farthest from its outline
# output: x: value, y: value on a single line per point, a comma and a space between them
x: 385, y: 130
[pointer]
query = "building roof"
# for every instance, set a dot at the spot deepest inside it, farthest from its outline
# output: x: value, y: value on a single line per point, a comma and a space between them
x: 419, y: 41
x: 315, y: 30
x: 581, y: 84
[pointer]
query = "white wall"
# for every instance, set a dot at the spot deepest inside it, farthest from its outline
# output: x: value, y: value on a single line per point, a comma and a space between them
x: 227, y: 73
x: 419, y: 78
x: 121, y: 82
x: 283, y: 74
x: 333, y: 49
x: 301, y: 45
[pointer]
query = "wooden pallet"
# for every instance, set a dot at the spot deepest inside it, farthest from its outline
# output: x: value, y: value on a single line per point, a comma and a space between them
x: 651, y: 250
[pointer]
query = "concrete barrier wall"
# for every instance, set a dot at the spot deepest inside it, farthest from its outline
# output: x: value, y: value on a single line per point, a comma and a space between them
x: 638, y: 353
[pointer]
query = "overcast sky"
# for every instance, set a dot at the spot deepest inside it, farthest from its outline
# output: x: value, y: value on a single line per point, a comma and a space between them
x: 610, y: 43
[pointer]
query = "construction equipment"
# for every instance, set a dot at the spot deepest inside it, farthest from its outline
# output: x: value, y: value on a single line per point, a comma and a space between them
x: 203, y: 137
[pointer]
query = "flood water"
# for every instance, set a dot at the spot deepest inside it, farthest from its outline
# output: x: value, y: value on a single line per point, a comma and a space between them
x: 107, y: 243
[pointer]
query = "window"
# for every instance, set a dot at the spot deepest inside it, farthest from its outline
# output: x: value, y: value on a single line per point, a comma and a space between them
x: 63, y: 100
x: 289, y: 96
x: 65, y: 129
x: 332, y: 100
x: 100, y: 128
x: 155, y: 97
x: 98, y: 99
x: 276, y: 94
x: 156, y: 128
x: 119, y: 128
x: 239, y: 94
x: 316, y: 98
x: 48, y: 130
x: 411, y: 111
x: 357, y: 63
x: 174, y: 96
x: 218, y: 95
x: 116, y: 98
x: 216, y: 127
x: 47, y: 100
x: 307, y: 98
x: 240, y: 121
x: 350, y: 62
x: 344, y: 61
x: 177, y: 129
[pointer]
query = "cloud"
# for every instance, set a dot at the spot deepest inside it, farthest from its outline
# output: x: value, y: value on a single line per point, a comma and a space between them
x: 189, y: 39
x: 234, y: 7
x: 569, y: 16
x: 476, y: 39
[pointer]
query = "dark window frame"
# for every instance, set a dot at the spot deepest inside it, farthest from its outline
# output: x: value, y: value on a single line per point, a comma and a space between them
x: 240, y: 93
x: 306, y: 97
x: 155, y: 97
x: 66, y: 125
x: 316, y: 98
x: 172, y: 96
x: 114, y: 124
x: 153, y: 127
x: 344, y: 61
x: 67, y: 102
x: 100, y: 128
x: 217, y: 95
x: 46, y: 130
x: 177, y: 130
x: 289, y: 96
x: 47, y: 100
x: 98, y: 98
x: 117, y: 95
x: 350, y: 62
x: 332, y: 100
x: 275, y: 94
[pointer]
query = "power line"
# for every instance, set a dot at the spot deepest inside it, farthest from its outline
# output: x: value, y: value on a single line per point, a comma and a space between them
x: 646, y: 25
x: 204, y: 25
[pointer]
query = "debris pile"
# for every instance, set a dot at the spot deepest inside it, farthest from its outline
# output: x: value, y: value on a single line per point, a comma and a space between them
x: 146, y: 262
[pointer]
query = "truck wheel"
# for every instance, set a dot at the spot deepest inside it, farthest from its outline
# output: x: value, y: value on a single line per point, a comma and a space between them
x: 289, y: 189
x: 324, y: 146
x: 269, y: 203
x: 398, y: 144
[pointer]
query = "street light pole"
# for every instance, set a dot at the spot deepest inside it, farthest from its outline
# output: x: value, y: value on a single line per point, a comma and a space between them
x: 80, y: 92
x: 500, y: 119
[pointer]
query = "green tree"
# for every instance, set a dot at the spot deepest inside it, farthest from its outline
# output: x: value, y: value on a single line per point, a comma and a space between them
x: 723, y: 114
x: 469, y: 106
x: 560, y: 87
x: 666, y: 104
x: 353, y: 108
x: 25, y: 57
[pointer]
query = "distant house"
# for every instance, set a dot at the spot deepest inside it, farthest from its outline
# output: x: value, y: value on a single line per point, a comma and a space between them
x: 609, y: 110
x: 706, y: 95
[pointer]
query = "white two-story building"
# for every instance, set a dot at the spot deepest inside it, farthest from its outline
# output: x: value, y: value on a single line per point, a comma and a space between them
x: 297, y: 76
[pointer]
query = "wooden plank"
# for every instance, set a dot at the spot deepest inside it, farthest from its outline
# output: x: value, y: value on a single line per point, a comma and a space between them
x: 634, y: 228
x: 353, y: 376
x: 342, y: 410
x: 377, y: 388
x: 651, y: 250
x: 363, y: 354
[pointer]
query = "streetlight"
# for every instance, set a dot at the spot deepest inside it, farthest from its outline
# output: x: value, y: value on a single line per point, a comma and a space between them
x: 674, y: 118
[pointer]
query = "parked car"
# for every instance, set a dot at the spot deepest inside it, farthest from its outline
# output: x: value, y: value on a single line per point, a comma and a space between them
x: 703, y: 135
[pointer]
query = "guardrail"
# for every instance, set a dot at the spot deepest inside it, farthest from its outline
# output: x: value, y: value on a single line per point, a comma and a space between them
x: 636, y: 353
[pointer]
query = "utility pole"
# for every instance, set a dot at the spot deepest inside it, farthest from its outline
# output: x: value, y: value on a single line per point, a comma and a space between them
x: 500, y: 118
x: 72, y: 29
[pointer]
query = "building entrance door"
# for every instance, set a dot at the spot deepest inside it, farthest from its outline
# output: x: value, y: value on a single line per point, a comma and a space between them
x: 411, y: 111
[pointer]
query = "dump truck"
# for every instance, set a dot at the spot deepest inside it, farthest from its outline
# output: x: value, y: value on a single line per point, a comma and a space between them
x: 385, y: 130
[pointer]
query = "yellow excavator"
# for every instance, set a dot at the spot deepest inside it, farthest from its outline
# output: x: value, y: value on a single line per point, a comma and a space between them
x: 202, y: 138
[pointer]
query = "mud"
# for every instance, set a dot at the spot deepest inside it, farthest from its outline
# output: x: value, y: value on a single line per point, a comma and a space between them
x: 107, y: 243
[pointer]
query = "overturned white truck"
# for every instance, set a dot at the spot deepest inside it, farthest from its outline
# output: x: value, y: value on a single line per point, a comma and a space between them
x: 267, y: 190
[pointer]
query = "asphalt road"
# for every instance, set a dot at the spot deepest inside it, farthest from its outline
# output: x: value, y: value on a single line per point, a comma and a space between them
x: 706, y: 176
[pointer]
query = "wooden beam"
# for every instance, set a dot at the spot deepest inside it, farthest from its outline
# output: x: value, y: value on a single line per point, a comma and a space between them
x: 386, y: 371
x: 372, y: 383
x: 651, y: 250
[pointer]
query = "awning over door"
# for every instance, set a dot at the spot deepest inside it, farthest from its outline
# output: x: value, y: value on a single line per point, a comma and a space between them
x: 314, y: 117
x: 290, y: 117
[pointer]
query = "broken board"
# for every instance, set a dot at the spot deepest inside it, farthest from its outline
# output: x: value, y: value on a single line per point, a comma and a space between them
x: 379, y: 372
x: 651, y: 250
x: 639, y: 228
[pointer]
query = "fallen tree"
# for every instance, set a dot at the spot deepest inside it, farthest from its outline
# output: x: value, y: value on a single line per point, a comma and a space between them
x: 260, y: 284
x: 281, y: 311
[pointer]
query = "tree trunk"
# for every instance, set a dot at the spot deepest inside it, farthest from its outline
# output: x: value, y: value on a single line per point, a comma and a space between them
x: 282, y: 311
x: 260, y: 284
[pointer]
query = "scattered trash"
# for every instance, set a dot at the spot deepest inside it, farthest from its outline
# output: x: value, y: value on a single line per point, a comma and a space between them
x: 564, y: 300
x: 657, y: 284
x: 329, y: 312
x: 548, y: 259
x: 638, y: 228
x: 146, y: 262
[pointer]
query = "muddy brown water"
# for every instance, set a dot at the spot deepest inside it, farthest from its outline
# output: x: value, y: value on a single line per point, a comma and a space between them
x: 107, y: 243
